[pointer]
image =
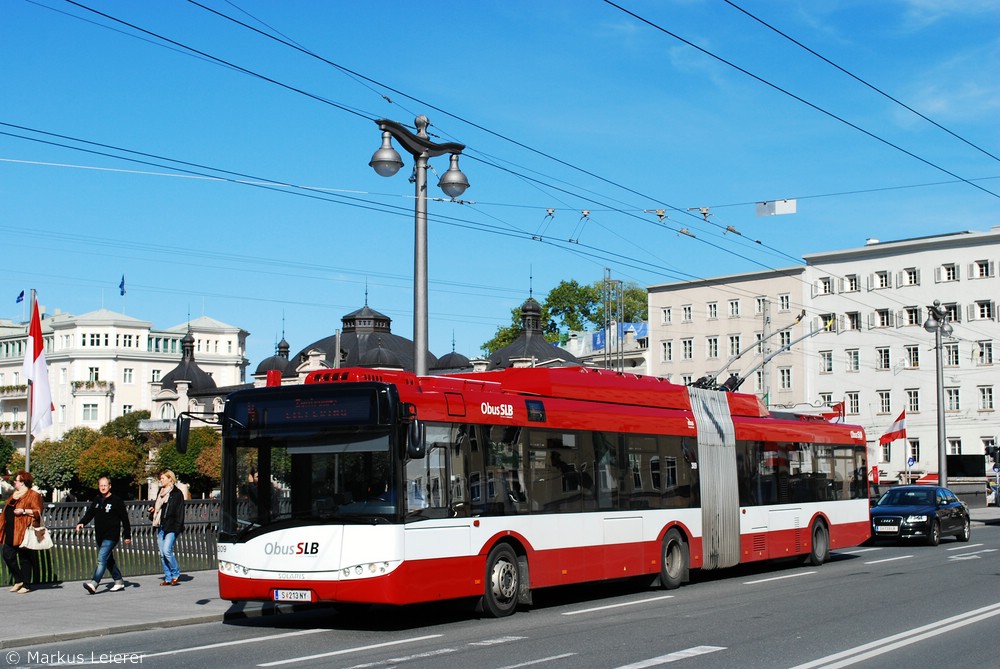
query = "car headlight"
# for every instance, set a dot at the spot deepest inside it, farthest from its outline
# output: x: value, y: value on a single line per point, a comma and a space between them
x: 922, y: 518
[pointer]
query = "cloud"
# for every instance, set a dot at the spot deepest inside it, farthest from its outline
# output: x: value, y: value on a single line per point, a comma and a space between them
x: 920, y: 14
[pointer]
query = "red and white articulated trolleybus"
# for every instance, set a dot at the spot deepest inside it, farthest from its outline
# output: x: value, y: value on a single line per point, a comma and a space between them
x: 378, y: 486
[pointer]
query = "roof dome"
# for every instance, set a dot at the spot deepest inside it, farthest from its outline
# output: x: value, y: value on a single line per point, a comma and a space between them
x: 188, y: 370
x: 279, y: 361
x: 531, y: 344
x: 453, y: 362
x: 364, y: 331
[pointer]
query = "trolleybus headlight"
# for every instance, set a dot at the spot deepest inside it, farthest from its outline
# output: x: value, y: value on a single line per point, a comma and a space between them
x: 233, y: 568
x: 368, y: 569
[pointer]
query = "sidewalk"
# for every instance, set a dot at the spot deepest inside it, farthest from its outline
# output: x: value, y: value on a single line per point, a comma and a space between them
x: 65, y: 611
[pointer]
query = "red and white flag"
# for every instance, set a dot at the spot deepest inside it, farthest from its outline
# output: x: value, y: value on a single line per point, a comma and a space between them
x: 837, y: 413
x: 896, y: 431
x: 36, y: 371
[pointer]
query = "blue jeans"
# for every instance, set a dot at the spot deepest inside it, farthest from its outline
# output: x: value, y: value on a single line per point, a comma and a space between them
x: 106, y: 560
x: 171, y: 569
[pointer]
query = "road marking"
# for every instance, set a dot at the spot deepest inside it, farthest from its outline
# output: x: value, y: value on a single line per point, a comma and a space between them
x: 908, y: 638
x: 778, y: 578
x: 965, y: 547
x: 857, y: 552
x: 615, y: 606
x: 345, y: 651
x: 539, y: 661
x: 901, y: 557
x: 493, y: 642
x: 393, y: 661
x: 673, y: 657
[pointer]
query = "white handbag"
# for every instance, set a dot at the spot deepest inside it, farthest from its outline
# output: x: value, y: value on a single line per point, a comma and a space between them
x: 37, y: 539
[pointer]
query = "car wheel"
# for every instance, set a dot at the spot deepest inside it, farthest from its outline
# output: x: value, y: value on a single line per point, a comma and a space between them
x: 503, y: 580
x: 966, y: 532
x: 673, y: 560
x: 820, y: 551
x: 934, y: 536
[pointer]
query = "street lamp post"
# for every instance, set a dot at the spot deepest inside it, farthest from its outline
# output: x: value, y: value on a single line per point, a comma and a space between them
x: 386, y: 162
x: 937, y: 323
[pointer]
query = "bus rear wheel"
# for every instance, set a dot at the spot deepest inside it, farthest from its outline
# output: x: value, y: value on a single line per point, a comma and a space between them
x: 820, y: 549
x: 674, y: 559
x: 503, y: 581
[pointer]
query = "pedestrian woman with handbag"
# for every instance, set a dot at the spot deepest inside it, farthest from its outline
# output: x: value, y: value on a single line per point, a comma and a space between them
x: 22, y: 510
x: 168, y: 522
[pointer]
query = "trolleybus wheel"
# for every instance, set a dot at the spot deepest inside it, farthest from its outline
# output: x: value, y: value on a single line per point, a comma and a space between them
x: 503, y: 581
x: 820, y: 551
x: 673, y: 560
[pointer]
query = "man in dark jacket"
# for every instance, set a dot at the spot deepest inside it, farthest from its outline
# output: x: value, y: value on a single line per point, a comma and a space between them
x: 110, y: 518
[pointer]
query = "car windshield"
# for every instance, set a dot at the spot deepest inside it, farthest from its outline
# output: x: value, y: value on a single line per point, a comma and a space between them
x: 907, y: 498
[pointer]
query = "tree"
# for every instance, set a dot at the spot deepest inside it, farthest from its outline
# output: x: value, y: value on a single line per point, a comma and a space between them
x: 118, y: 459
x: 635, y: 303
x: 56, y: 464
x: 7, y: 449
x: 127, y: 427
x: 185, y: 465
x: 507, y: 335
x: 571, y: 306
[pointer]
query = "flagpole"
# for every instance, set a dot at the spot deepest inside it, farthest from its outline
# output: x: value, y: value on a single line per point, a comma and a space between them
x: 27, y: 422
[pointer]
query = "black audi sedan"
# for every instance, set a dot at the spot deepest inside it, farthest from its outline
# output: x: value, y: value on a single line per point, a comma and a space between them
x: 922, y: 512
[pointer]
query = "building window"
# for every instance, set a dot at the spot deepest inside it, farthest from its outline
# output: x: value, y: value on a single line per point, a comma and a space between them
x: 882, y: 357
x: 954, y: 313
x: 988, y: 443
x: 852, y: 402
x: 93, y: 374
x: 853, y: 360
x: 713, y: 310
x: 912, y: 315
x: 155, y: 376
x: 951, y: 399
x: 954, y: 446
x: 687, y: 349
x: 758, y: 381
x: 734, y: 308
x: 784, y: 302
x: 951, y: 354
x: 665, y: 315
x: 127, y: 375
x: 914, y: 445
x: 827, y: 322
x: 985, y: 353
x: 686, y: 313
x: 95, y: 339
x: 882, y: 280
x: 986, y: 398
x: 734, y: 345
x: 666, y: 351
x: 784, y: 339
x: 884, y: 401
x: 911, y: 276
x: 983, y: 310
x: 825, y: 362
x: 913, y: 356
x: 946, y: 272
x: 825, y: 286
x: 853, y: 320
x: 686, y: 379
x: 785, y: 376
x: 126, y: 409
x: 89, y: 412
x: 886, y: 453
x: 982, y: 269
x: 758, y: 305
x: 759, y: 342
x: 61, y: 414
x: 712, y: 347
x: 167, y: 412
x: 913, y: 400
x: 883, y: 318
x: 852, y: 283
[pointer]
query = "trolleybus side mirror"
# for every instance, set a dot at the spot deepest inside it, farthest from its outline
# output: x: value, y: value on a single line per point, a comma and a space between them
x: 415, y: 446
x: 183, y: 429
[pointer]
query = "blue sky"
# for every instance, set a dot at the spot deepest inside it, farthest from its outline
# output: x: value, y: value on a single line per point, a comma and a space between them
x: 564, y: 105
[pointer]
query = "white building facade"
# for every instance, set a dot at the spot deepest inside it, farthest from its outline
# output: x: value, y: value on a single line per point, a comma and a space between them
x: 104, y: 364
x: 876, y: 357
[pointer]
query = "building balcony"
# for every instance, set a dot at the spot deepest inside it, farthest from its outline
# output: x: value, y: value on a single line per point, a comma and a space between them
x: 12, y: 427
x: 93, y: 388
x: 14, y: 392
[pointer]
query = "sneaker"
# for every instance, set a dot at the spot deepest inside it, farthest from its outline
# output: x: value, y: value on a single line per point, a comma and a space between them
x: 119, y: 585
x: 90, y: 586
x: 17, y: 586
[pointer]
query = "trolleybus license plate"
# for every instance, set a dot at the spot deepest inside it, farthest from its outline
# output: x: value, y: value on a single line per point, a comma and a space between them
x: 292, y: 596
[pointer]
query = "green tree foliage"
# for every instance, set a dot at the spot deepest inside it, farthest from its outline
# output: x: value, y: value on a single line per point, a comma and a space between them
x: 56, y: 464
x: 118, y: 459
x: 127, y: 427
x: 571, y: 306
x: 7, y: 450
x: 185, y: 465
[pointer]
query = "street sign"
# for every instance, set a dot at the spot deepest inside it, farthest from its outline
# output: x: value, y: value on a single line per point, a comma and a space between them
x: 910, y: 461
